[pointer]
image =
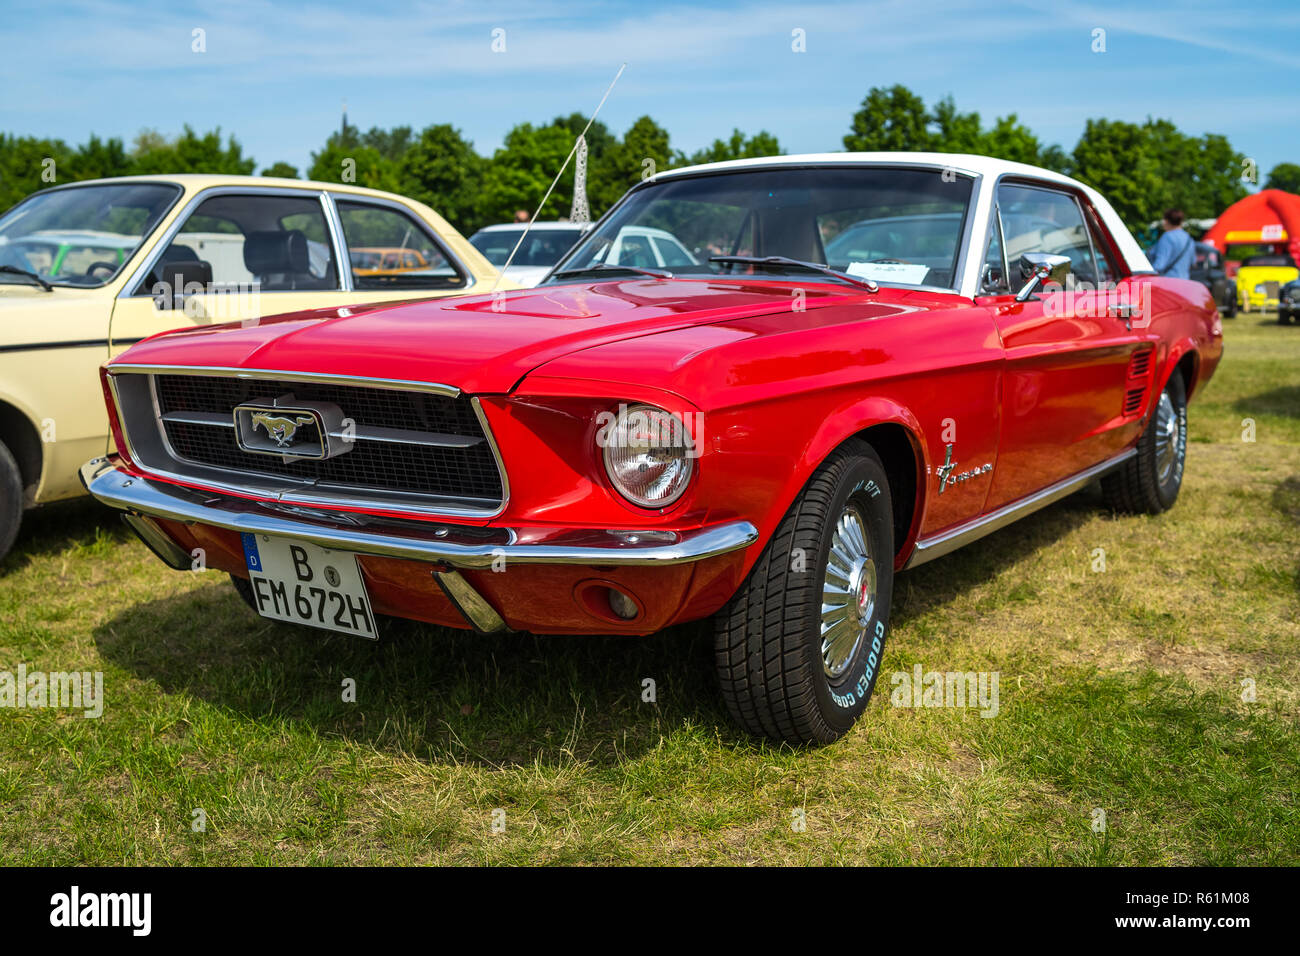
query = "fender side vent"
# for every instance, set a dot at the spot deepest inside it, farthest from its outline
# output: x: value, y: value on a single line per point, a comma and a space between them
x: 1140, y: 364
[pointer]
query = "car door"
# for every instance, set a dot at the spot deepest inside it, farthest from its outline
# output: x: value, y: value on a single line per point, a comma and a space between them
x: 237, y: 254
x: 1069, y: 353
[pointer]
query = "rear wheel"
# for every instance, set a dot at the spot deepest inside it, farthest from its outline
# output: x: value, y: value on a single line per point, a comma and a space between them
x: 798, y: 648
x: 1148, y: 483
x: 11, y: 499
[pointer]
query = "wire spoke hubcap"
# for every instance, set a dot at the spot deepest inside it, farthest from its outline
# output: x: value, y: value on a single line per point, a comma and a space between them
x: 848, y: 592
x: 1168, y: 442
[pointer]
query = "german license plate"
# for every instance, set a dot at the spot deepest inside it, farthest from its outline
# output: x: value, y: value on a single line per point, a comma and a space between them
x: 302, y: 583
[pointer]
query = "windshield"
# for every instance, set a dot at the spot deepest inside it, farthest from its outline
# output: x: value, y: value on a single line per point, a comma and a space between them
x: 543, y: 247
x: 893, y: 225
x: 81, y: 236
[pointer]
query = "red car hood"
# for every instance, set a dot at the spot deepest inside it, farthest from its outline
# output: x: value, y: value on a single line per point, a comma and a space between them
x: 484, y: 344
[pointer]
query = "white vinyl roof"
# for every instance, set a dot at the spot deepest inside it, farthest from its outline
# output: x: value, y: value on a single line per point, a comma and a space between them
x: 985, y: 168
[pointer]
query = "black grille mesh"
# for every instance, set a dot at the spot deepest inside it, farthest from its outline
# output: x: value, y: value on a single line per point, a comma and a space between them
x: 459, y: 473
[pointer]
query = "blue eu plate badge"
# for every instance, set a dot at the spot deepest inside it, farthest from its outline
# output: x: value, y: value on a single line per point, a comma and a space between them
x: 251, y: 557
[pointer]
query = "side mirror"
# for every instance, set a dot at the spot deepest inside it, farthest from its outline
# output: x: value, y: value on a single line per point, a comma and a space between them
x: 1039, y: 267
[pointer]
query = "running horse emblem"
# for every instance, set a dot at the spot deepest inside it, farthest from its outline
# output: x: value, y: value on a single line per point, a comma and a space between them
x: 281, y: 428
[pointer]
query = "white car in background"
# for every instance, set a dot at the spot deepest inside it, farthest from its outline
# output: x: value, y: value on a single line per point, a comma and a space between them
x: 643, y: 247
x: 546, y: 244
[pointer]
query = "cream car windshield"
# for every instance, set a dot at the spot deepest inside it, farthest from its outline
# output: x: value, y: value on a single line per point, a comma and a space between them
x: 894, y: 225
x: 80, y: 235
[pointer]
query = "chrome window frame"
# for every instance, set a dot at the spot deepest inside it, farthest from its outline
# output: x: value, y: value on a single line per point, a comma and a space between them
x: 354, y: 498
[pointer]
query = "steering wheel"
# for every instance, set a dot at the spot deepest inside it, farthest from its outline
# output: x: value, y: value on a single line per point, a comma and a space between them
x: 102, y: 264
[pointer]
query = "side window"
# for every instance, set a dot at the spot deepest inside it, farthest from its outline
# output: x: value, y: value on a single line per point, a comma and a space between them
x: 280, y: 243
x: 389, y: 249
x: 993, y: 278
x: 1044, y: 220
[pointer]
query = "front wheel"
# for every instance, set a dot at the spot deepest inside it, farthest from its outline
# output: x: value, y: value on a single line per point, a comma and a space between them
x: 11, y: 500
x: 798, y: 648
x: 1148, y: 483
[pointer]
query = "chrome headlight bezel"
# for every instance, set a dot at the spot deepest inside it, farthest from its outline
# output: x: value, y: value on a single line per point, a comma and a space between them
x: 666, y: 445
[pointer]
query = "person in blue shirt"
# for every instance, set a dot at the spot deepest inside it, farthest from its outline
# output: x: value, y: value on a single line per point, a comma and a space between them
x: 1174, y: 251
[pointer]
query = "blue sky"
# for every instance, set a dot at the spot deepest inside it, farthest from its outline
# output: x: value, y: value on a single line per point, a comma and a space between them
x: 276, y: 74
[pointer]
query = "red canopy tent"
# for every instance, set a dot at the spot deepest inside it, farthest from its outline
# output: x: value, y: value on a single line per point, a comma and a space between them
x: 1269, y: 216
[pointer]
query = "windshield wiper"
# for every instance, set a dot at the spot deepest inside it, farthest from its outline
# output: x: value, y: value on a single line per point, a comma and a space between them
x: 15, y: 271
x: 786, y: 262
x: 602, y: 266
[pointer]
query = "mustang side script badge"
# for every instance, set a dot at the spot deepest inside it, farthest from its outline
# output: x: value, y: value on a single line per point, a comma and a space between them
x: 291, y: 429
x: 945, y: 471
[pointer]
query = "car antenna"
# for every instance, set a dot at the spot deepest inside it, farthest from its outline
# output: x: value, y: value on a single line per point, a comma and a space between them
x: 581, y: 137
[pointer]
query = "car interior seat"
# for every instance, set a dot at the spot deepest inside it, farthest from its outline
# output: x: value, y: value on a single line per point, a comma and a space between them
x: 279, y: 259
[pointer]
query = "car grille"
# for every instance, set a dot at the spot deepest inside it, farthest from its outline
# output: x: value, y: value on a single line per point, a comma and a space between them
x: 409, y: 444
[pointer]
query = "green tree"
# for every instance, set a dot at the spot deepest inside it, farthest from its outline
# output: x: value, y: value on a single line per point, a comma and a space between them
x: 889, y: 119
x: 646, y: 149
x: 1011, y: 140
x: 520, y: 172
x: 389, y: 143
x: 280, y: 170
x: 441, y: 169
x: 191, y: 152
x: 603, y: 190
x: 28, y: 164
x: 736, y: 146
x: 953, y: 131
x: 1054, y: 157
x: 100, y: 158
x: 1284, y: 176
x: 1148, y: 168
x: 1116, y: 159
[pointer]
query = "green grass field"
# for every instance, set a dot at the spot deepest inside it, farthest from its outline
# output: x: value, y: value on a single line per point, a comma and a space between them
x: 1120, y: 690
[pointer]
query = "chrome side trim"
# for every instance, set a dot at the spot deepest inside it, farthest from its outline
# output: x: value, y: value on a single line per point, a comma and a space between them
x: 406, y: 385
x: 418, y: 540
x: 496, y: 456
x: 481, y: 615
x: 935, y: 546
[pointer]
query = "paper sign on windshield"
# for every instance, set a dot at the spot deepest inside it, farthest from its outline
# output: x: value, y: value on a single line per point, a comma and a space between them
x: 907, y: 272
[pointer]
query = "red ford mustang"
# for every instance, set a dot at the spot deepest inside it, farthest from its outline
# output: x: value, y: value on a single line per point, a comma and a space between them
x: 755, y: 391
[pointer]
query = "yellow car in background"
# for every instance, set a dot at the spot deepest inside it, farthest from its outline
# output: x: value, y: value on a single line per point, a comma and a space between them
x: 379, y: 261
x: 90, y: 268
x: 1260, y: 278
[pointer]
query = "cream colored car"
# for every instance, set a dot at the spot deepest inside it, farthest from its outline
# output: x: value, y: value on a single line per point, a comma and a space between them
x: 90, y: 268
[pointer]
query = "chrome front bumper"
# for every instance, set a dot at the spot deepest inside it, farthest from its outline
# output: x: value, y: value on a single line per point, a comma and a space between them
x: 455, y: 546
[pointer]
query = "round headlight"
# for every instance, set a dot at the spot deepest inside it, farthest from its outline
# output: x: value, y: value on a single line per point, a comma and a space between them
x: 647, y: 455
